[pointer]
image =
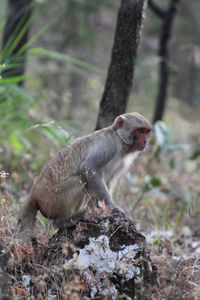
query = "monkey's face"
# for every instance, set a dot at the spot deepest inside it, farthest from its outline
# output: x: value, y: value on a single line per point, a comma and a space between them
x: 141, y: 137
x: 134, y: 129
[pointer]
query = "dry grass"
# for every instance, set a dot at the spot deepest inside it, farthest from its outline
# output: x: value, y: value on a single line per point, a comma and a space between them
x: 168, y: 214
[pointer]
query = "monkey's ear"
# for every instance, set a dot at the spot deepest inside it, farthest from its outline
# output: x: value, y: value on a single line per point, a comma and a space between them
x: 119, y: 122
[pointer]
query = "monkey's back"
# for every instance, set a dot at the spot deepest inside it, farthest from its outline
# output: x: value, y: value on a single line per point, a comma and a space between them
x: 49, y: 189
x: 69, y: 159
x: 65, y: 163
x: 60, y: 182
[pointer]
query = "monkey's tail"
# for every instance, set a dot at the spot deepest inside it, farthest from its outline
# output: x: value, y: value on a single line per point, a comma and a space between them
x: 27, y: 215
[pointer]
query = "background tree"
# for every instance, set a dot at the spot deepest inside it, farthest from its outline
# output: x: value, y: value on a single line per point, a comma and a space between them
x: 167, y: 16
x: 121, y: 70
x: 15, y: 36
x: 34, y: 125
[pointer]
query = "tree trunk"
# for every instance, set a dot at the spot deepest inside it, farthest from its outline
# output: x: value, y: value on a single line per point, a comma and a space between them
x: 15, y: 36
x: 163, y: 52
x: 120, y: 74
x: 5, y: 279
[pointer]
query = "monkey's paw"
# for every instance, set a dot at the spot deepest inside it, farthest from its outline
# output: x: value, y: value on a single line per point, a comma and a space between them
x: 117, y: 211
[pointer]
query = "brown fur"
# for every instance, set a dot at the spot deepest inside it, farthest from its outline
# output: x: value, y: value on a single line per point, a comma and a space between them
x: 86, y: 170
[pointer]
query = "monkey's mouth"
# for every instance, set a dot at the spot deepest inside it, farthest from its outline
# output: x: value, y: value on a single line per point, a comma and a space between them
x: 142, y: 145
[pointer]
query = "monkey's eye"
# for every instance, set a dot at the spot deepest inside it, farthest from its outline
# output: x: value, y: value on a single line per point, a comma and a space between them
x: 148, y: 131
x: 141, y: 130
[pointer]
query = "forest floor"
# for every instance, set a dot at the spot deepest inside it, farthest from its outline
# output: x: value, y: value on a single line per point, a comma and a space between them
x: 167, y: 212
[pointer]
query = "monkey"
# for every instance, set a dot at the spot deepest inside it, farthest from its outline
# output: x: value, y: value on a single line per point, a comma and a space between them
x: 86, y: 170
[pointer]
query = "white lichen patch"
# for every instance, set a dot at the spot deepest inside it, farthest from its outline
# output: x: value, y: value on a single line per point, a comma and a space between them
x: 155, y: 234
x: 97, y: 258
x: 26, y: 282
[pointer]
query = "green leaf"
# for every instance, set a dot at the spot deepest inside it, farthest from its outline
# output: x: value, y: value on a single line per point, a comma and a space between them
x: 63, y: 57
x: 15, y: 142
x: 180, y: 216
x: 43, y: 29
x: 14, y: 79
x: 172, y: 164
x: 195, y: 155
x: 57, y: 135
x: 161, y: 133
x: 155, y: 181
x: 43, y: 221
x: 17, y: 91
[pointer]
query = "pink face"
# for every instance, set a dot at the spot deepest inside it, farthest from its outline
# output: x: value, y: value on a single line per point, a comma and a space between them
x: 142, y: 135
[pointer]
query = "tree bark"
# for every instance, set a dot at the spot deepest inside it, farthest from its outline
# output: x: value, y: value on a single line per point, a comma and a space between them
x: 157, y: 9
x: 5, y: 280
x: 18, y: 16
x: 163, y: 52
x: 120, y: 73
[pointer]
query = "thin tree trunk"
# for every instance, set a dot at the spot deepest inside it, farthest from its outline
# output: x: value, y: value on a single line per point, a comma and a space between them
x: 120, y: 74
x: 18, y: 15
x: 163, y: 52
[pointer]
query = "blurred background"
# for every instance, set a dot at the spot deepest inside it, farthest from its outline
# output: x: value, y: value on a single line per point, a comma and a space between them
x: 68, y: 56
x: 54, y: 97
x: 68, y: 50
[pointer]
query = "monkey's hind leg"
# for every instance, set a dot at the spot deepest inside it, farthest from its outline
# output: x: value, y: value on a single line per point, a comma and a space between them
x: 69, y: 222
x: 27, y: 218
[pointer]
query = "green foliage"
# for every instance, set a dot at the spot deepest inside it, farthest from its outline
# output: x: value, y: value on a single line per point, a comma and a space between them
x: 150, y: 182
x: 21, y: 124
x: 180, y: 216
x: 193, y: 206
x: 20, y: 128
x: 195, y: 155
x: 53, y: 131
x: 46, y: 225
x: 64, y: 58
x: 162, y: 134
x: 15, y: 105
x: 161, y: 186
x: 164, y: 139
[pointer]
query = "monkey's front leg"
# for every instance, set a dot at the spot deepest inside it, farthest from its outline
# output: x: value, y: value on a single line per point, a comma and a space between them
x: 97, y: 188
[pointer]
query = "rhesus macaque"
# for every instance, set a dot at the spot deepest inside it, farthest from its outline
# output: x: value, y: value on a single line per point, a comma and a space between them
x: 86, y: 170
